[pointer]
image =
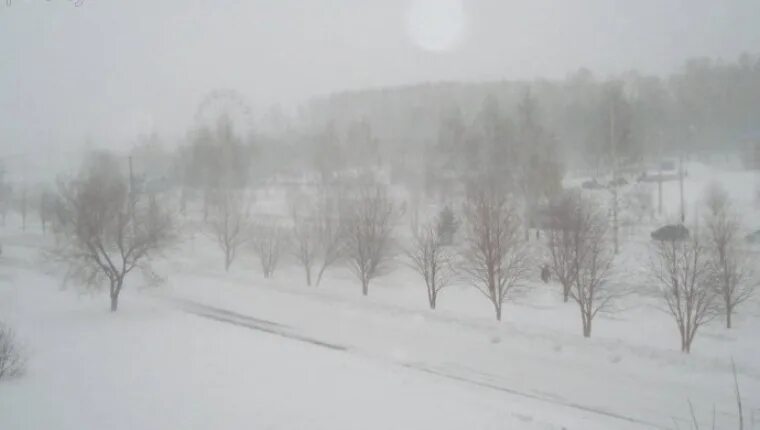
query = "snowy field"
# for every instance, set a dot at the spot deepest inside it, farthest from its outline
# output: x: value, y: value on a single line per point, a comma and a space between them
x: 210, y: 349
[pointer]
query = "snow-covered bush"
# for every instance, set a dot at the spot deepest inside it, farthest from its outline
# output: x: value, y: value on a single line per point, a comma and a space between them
x: 12, y: 359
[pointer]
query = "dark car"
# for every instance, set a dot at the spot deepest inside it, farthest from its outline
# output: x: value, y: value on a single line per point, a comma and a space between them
x: 754, y: 237
x: 673, y: 232
x: 619, y: 182
x: 592, y: 184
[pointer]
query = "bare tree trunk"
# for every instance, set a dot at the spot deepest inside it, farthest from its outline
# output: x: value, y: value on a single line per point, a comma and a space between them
x: 115, y: 290
x: 586, y: 325
x: 729, y: 312
x: 615, y: 224
x: 659, y: 193
x: 308, y: 275
x: 566, y: 292
x: 685, y: 341
x: 319, y: 275
x: 497, y: 306
x: 365, y: 287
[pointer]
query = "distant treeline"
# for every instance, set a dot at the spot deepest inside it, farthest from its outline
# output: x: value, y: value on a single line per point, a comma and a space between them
x: 707, y: 104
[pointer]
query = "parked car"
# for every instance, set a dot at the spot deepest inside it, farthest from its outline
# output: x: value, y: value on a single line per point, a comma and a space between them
x: 754, y: 237
x: 672, y: 232
x: 619, y: 182
x: 592, y: 184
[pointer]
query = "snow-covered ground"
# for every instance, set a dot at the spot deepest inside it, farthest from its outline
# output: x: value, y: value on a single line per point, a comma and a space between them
x: 232, y: 350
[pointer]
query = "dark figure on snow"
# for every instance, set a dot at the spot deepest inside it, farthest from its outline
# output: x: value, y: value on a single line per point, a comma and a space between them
x: 545, y: 273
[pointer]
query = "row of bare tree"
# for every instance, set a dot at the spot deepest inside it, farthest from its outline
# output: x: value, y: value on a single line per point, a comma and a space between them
x: 25, y: 200
x: 708, y: 275
x: 105, y: 231
x: 697, y: 279
x: 339, y: 224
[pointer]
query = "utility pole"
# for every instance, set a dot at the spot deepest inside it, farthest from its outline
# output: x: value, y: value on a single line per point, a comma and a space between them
x: 131, y: 193
x: 659, y: 177
x: 614, y: 177
x: 680, y: 172
x: 680, y: 185
x: 131, y: 180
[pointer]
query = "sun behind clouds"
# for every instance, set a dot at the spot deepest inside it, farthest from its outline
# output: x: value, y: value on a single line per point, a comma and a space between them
x: 436, y: 25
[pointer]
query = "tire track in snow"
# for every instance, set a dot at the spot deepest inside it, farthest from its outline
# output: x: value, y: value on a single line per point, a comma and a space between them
x: 271, y: 327
x: 546, y: 398
x: 241, y: 320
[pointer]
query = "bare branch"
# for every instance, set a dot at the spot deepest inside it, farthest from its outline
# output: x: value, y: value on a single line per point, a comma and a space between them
x: 268, y: 242
x: 230, y: 224
x: 680, y: 272
x: 496, y: 260
x: 103, y: 232
x: 369, y: 234
x: 729, y: 267
x: 429, y: 257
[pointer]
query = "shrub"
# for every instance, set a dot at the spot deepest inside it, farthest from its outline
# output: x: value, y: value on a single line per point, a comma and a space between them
x: 11, y: 357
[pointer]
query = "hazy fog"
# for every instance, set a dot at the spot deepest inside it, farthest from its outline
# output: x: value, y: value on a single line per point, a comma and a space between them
x: 109, y: 70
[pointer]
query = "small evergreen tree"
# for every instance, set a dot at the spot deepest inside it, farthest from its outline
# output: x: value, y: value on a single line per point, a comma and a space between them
x: 447, y: 226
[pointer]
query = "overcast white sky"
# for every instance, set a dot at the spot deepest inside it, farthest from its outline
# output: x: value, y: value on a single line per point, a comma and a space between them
x: 113, y: 69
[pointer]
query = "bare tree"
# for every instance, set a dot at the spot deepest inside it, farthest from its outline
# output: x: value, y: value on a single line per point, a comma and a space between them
x: 268, y: 241
x: 106, y: 234
x: 560, y: 241
x: 369, y: 242
x: 730, y: 270
x: 218, y: 157
x: 46, y: 209
x: 432, y: 259
x: 496, y: 259
x: 592, y: 261
x: 230, y: 224
x: 6, y: 195
x: 23, y: 206
x: 12, y: 359
x: 305, y: 238
x: 331, y: 229
x: 680, y: 271
x: 638, y: 202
